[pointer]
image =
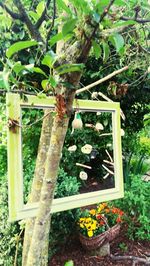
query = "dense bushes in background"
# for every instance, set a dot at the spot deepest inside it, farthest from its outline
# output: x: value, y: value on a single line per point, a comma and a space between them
x: 136, y: 206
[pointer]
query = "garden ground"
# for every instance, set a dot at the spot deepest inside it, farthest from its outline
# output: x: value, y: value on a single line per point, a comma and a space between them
x: 121, y: 246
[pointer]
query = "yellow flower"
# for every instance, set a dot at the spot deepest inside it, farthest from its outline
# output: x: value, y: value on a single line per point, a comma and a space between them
x: 82, y: 220
x: 93, y: 226
x: 90, y: 233
x: 100, y: 208
x: 93, y: 211
x: 81, y: 225
x: 88, y: 220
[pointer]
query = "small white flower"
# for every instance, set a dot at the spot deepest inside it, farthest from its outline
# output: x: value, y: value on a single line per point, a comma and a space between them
x: 98, y: 113
x: 72, y: 148
x: 99, y: 126
x: 83, y: 175
x: 86, y: 149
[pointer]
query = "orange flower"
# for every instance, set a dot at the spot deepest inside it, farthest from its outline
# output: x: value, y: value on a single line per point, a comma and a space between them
x: 121, y: 213
x: 105, y: 204
x: 101, y: 222
x: 114, y: 210
x: 107, y: 210
x: 118, y: 220
x: 98, y: 216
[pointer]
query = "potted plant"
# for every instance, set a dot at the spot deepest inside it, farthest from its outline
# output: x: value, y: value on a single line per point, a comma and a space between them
x: 99, y: 225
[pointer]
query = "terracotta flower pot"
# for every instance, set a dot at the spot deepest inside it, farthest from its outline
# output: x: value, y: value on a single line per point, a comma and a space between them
x: 91, y: 243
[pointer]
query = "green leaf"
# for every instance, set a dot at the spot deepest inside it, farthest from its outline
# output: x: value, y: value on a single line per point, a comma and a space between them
x: 106, y: 51
x: 124, y: 23
x: 63, y: 6
x: 96, y: 17
x: 56, y: 38
x: 34, y: 15
x: 45, y: 84
x: 96, y: 49
x: 4, y: 79
x: 82, y: 6
x: 39, y: 70
x: 49, y: 59
x: 66, y: 68
x: 118, y: 41
x: 69, y: 26
x: 53, y: 81
x: 40, y: 8
x: 18, y: 67
x: 18, y: 46
x: 69, y: 263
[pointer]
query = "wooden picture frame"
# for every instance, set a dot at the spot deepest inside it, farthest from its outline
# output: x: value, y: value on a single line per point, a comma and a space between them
x: 17, y: 209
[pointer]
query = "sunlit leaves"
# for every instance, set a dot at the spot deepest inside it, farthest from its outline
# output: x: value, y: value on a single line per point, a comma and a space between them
x: 69, y: 26
x: 40, y: 8
x: 66, y: 68
x: 82, y: 6
x: 118, y: 41
x: 4, y: 76
x: 62, y: 6
x: 96, y: 49
x: 18, y: 46
x: 106, y: 51
x: 49, y: 59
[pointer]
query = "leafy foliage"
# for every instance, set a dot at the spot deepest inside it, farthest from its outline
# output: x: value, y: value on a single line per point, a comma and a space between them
x: 136, y: 205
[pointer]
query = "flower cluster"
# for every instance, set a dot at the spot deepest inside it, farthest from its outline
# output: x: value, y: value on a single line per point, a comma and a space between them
x: 95, y: 221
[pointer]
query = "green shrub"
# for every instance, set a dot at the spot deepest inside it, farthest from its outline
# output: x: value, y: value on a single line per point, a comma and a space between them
x: 136, y: 206
x: 63, y: 224
x: 8, y: 231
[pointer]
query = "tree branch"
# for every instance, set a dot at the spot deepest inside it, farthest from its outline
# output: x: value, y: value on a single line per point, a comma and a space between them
x: 24, y: 18
x: 139, y: 20
x: 134, y: 258
x: 102, y: 80
x: 11, y: 13
x: 41, y: 19
x: 87, y: 45
x: 52, y: 24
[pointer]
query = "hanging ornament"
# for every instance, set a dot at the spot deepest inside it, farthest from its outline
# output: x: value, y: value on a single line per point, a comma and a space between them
x: 99, y: 126
x: 83, y: 175
x: 94, y: 95
x: 77, y: 122
x: 86, y: 149
x: 93, y: 154
x: 72, y: 148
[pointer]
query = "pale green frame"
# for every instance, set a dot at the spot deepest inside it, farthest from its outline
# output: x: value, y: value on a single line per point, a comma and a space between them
x: 17, y: 209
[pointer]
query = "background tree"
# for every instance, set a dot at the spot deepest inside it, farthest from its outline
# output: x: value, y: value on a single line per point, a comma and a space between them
x: 85, y: 27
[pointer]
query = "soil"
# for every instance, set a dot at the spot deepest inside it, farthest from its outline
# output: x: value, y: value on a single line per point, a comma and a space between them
x: 121, y: 246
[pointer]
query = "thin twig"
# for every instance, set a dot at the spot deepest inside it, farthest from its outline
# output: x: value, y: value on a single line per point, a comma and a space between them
x: 17, y: 246
x: 84, y: 166
x: 116, y: 72
x: 105, y: 134
x: 139, y: 20
x: 134, y: 258
x: 109, y: 171
x: 108, y: 162
x: 41, y: 19
x: 111, y: 159
x: 10, y: 12
x: 52, y: 24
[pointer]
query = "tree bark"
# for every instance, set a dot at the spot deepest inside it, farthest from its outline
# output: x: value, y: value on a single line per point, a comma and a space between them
x: 36, y: 187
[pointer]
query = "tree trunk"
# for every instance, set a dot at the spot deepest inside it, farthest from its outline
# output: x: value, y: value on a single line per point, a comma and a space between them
x: 36, y: 188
